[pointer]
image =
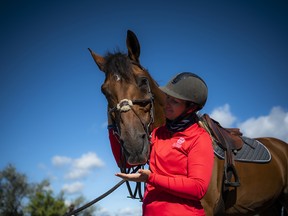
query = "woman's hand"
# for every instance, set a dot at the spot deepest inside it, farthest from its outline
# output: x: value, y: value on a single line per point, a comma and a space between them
x: 141, y: 176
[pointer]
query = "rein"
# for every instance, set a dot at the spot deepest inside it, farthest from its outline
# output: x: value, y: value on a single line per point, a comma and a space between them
x: 74, y: 212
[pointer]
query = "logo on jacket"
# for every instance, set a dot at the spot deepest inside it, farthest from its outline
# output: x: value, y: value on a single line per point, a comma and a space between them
x: 179, y: 143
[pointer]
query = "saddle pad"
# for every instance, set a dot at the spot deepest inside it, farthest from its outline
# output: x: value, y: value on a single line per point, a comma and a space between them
x: 252, y: 151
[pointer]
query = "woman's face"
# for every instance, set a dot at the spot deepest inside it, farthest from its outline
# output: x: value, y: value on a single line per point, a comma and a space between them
x: 174, y: 107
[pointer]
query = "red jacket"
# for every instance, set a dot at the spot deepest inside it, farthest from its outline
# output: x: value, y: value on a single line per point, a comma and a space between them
x: 181, y: 166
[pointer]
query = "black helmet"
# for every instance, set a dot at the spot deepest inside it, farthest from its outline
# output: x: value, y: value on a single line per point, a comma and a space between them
x: 189, y: 87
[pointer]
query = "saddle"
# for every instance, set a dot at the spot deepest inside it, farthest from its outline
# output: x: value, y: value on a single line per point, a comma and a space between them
x: 229, y: 139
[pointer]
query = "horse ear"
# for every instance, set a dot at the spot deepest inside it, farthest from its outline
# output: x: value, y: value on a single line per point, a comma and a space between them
x: 133, y: 46
x: 100, y: 61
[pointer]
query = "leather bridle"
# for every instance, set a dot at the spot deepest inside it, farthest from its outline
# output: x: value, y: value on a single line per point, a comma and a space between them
x: 126, y: 105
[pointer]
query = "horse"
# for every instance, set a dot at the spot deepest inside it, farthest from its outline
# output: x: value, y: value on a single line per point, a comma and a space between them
x: 136, y: 104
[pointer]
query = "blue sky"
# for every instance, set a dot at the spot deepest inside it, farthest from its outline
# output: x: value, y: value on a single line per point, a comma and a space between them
x: 53, y: 115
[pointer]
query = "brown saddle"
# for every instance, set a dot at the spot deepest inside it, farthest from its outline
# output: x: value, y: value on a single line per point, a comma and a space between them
x: 229, y: 139
x: 226, y: 138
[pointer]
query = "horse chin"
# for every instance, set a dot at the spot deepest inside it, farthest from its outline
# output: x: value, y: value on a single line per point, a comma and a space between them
x: 135, y: 161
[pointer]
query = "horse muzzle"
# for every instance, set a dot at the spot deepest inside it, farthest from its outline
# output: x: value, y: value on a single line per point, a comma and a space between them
x: 136, y: 149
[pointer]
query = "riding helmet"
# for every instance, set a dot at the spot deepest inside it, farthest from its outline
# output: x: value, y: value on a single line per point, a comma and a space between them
x: 189, y: 87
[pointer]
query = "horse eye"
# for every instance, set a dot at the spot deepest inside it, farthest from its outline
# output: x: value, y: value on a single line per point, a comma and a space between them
x: 142, y: 82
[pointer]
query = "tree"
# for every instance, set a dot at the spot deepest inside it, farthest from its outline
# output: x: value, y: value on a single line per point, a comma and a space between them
x: 42, y: 202
x: 19, y: 198
x: 13, y: 189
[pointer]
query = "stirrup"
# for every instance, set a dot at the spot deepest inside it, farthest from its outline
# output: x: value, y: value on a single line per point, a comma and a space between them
x: 231, y: 168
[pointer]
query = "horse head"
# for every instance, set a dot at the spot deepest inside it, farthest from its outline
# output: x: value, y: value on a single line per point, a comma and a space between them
x: 131, y: 94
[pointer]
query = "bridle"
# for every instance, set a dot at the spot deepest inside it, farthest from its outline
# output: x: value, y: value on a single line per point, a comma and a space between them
x: 126, y: 105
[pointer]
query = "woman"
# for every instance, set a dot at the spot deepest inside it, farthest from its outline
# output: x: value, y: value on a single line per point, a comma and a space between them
x: 181, y: 158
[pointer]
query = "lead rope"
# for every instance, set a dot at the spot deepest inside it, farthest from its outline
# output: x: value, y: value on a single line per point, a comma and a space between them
x: 73, y: 212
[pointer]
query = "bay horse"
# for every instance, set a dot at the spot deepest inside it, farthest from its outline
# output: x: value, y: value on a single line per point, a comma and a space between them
x: 135, y: 105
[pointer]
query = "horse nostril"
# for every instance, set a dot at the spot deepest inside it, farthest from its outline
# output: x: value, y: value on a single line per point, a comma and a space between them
x: 143, y: 136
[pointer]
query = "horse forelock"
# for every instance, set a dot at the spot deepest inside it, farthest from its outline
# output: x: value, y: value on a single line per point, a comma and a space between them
x: 118, y: 63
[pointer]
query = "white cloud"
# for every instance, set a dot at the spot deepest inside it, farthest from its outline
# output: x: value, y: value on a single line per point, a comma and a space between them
x: 81, y: 166
x: 275, y: 124
x: 73, y: 188
x: 88, y: 161
x: 78, y: 167
x: 77, y: 173
x: 223, y: 116
x: 61, y: 160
